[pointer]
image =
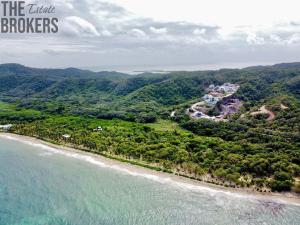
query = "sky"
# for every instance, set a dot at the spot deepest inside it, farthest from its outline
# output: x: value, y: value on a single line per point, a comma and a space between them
x: 161, y: 34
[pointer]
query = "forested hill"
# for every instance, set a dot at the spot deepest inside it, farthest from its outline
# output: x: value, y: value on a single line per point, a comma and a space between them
x: 258, y: 145
x: 117, y: 93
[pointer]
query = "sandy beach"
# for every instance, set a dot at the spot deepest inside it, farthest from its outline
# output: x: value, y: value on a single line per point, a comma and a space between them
x: 181, y: 182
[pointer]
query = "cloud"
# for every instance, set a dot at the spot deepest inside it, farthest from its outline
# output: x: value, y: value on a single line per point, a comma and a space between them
x: 275, y: 38
x: 105, y: 9
x: 99, y: 32
x: 137, y: 33
x: 106, y: 33
x: 79, y: 26
x: 293, y: 39
x: 253, y: 39
x: 158, y: 30
x: 198, y: 31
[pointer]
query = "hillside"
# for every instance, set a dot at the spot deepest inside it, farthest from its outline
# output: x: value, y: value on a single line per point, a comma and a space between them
x: 111, y: 91
x: 257, y: 145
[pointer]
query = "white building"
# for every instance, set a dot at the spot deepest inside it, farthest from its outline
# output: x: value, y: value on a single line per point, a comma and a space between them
x: 5, y: 127
x: 66, y: 136
x: 209, y: 99
x: 98, y: 129
x: 229, y: 88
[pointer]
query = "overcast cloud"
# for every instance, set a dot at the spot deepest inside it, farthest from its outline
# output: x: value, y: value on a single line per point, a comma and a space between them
x: 112, y: 35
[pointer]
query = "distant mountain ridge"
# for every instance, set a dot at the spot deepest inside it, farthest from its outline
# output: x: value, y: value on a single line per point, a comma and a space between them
x: 15, y: 67
x: 18, y: 69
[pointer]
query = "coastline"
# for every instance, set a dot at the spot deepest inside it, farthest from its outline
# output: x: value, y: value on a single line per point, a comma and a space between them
x: 148, y: 173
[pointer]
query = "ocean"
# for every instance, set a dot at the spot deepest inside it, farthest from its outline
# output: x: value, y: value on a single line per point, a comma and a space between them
x: 40, y: 185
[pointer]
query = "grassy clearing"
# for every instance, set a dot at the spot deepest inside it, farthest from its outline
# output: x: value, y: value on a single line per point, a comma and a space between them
x: 167, y: 126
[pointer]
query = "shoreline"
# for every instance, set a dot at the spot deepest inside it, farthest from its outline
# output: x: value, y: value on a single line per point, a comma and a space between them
x: 152, y: 174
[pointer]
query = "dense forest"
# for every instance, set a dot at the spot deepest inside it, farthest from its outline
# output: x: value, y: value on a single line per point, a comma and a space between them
x: 134, y: 115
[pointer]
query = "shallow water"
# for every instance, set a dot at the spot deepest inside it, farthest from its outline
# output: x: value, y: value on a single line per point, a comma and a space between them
x: 39, y: 185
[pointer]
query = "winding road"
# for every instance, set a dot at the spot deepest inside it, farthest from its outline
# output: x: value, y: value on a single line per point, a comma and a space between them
x: 264, y: 110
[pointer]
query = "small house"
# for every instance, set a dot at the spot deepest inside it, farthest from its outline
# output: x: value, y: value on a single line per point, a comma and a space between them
x: 98, y: 129
x: 66, y: 136
x: 6, y: 127
x: 209, y: 99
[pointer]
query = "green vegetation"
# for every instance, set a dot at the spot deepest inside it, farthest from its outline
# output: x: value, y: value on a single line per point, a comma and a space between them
x: 168, y: 126
x: 134, y: 114
x: 13, y: 113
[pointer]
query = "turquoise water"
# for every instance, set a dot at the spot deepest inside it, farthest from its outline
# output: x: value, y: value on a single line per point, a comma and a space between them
x: 39, y: 186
